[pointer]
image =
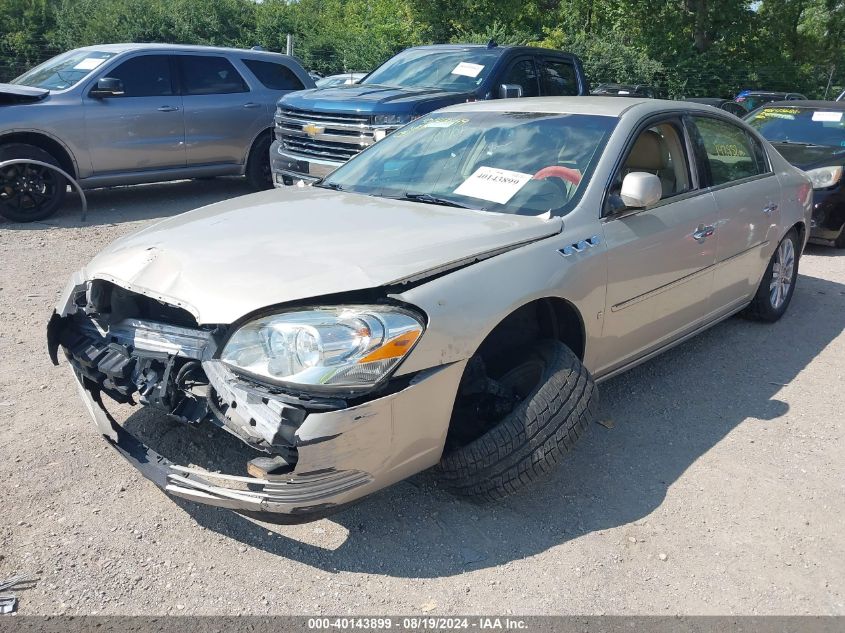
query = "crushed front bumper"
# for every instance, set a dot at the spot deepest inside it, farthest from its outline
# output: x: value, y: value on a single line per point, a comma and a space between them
x: 339, y: 453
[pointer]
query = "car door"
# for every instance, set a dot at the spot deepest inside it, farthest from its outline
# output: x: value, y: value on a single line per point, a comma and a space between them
x: 659, y: 259
x: 736, y: 168
x: 141, y: 129
x: 223, y: 113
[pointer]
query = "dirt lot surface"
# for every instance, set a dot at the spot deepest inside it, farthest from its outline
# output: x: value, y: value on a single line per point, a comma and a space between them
x: 719, y: 489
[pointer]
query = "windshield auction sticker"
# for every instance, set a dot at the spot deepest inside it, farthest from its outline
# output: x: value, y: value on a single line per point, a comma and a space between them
x: 89, y: 63
x: 467, y: 70
x: 494, y: 185
x: 832, y: 117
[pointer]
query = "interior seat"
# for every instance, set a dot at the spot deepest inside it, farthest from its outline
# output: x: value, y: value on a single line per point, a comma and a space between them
x: 650, y: 154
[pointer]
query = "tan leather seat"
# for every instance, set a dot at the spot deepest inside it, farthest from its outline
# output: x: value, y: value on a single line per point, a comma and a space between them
x: 651, y: 154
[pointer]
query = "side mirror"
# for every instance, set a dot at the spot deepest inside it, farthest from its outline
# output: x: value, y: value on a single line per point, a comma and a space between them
x: 641, y: 189
x: 107, y: 87
x: 510, y: 91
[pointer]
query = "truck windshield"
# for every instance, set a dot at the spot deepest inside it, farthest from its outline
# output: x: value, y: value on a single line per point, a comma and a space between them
x: 800, y: 125
x: 63, y: 71
x: 460, y: 70
x: 523, y: 163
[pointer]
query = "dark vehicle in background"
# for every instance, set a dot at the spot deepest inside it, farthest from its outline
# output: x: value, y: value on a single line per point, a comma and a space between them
x: 727, y: 105
x: 341, y: 79
x: 750, y: 99
x: 123, y: 114
x: 319, y: 130
x: 626, y: 90
x: 811, y: 136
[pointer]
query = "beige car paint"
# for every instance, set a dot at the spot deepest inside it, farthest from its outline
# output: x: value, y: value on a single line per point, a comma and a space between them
x: 639, y: 280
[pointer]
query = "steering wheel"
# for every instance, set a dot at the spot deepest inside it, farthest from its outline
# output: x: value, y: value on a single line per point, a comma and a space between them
x: 557, y: 171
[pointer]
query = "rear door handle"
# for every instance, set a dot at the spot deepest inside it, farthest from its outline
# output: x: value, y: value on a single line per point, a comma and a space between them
x: 768, y: 210
x: 703, y: 232
x: 168, y: 108
x: 251, y: 105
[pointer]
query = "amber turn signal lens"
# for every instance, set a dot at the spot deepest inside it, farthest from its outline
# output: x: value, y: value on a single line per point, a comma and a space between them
x: 396, y: 347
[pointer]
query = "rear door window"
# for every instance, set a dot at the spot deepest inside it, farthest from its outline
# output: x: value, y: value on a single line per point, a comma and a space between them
x: 732, y: 153
x: 557, y: 78
x: 209, y: 75
x: 144, y: 76
x: 273, y: 76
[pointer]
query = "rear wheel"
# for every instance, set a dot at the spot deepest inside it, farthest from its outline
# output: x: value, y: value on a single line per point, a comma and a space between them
x: 778, y: 283
x: 29, y: 192
x: 512, y: 426
x: 258, y: 165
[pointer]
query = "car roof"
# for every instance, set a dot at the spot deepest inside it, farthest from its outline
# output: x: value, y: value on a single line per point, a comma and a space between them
x: 136, y: 46
x: 806, y: 103
x: 601, y: 106
x: 497, y: 47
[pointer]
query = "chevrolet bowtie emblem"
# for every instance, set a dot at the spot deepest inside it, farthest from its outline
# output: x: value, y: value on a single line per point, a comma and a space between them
x: 311, y: 129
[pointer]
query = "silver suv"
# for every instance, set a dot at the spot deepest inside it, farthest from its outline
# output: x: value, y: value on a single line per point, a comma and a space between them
x: 122, y: 114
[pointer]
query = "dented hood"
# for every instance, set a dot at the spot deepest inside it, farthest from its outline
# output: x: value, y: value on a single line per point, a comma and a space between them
x: 228, y: 259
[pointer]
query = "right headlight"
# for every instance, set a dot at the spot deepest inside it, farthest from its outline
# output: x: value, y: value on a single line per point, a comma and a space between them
x: 824, y: 177
x: 325, y: 348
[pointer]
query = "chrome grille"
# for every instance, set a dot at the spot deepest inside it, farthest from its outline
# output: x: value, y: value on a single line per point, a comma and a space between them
x: 328, y: 136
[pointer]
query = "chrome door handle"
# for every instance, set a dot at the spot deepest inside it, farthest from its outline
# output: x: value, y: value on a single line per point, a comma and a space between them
x: 168, y: 109
x: 251, y: 105
x: 768, y: 210
x: 703, y: 232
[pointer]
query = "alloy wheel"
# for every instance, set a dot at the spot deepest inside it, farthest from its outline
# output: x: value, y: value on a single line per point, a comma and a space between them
x: 783, y: 269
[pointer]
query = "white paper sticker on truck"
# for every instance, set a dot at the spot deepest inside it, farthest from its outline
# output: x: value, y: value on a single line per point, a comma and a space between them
x: 495, y: 185
x: 468, y: 70
x: 89, y: 63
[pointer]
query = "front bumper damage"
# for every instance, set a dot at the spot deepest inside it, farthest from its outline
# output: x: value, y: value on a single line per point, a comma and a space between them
x: 329, y: 452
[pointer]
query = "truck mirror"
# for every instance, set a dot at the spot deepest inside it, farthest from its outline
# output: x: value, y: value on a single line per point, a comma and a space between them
x: 510, y: 91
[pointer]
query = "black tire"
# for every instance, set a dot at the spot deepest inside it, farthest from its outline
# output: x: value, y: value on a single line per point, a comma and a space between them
x: 258, y: 172
x: 840, y: 241
x: 529, y: 441
x: 764, y: 307
x: 29, y: 192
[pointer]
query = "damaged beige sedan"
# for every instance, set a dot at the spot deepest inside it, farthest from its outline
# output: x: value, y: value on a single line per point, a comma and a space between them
x: 449, y: 297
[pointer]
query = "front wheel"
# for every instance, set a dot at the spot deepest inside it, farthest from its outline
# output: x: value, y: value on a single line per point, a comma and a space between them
x: 29, y: 192
x: 778, y: 283
x: 258, y: 172
x: 512, y: 428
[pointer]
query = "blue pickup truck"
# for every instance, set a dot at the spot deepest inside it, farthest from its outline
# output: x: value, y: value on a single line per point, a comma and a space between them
x: 318, y: 130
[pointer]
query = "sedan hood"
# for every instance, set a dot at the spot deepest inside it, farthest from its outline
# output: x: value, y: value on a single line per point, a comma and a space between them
x: 11, y: 93
x: 228, y: 259
x: 369, y: 98
x: 811, y: 156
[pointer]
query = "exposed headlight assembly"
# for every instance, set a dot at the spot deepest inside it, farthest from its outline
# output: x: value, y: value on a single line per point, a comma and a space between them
x: 824, y: 177
x: 325, y: 348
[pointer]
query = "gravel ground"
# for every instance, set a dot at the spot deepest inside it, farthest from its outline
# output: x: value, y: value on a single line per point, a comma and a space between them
x: 719, y: 489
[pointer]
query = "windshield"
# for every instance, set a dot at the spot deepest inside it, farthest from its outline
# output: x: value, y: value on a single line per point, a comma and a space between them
x: 521, y: 163
x: 451, y: 70
x: 63, y: 71
x: 800, y: 125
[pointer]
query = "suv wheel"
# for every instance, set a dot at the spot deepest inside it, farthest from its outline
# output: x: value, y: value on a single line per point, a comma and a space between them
x: 512, y: 429
x: 29, y: 192
x: 258, y: 165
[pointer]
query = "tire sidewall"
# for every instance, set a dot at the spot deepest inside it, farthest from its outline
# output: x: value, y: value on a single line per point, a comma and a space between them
x: 764, y: 294
x: 23, y: 151
x: 259, y: 160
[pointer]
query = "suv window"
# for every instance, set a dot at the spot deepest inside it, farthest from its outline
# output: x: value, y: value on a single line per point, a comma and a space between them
x: 523, y: 74
x: 273, y: 76
x: 557, y: 78
x: 732, y: 153
x: 144, y: 76
x: 206, y: 75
